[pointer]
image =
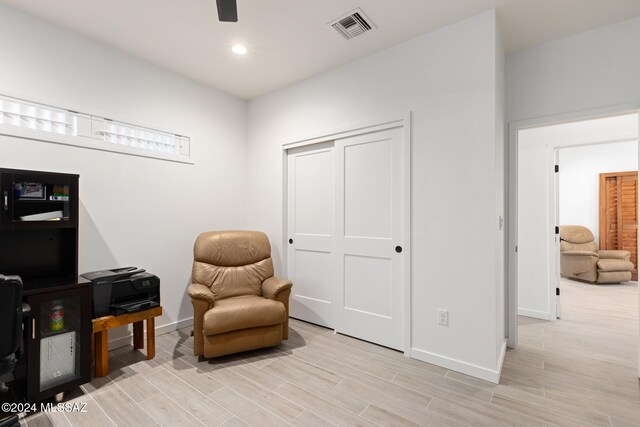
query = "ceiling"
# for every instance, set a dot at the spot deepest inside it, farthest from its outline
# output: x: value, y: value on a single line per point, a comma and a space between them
x: 288, y: 40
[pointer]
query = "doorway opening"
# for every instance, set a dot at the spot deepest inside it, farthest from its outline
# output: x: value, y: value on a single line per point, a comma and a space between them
x: 597, y: 204
x: 556, y: 173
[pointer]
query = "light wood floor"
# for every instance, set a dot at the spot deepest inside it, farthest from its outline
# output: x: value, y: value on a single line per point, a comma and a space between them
x: 579, y: 371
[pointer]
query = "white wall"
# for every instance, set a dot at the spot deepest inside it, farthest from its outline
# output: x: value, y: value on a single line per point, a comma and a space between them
x: 133, y: 210
x: 580, y: 179
x: 536, y: 147
x: 590, y: 70
x: 448, y: 80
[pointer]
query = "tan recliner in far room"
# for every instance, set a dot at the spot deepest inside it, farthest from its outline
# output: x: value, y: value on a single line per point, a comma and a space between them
x: 580, y: 258
x: 238, y: 304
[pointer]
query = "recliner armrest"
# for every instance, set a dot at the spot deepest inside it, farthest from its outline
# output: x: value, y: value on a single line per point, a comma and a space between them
x: 201, y: 292
x: 615, y: 254
x: 580, y: 253
x: 274, y: 285
x: 279, y: 289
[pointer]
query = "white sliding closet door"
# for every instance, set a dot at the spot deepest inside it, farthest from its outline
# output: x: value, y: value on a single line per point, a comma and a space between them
x: 369, y: 237
x: 311, y: 229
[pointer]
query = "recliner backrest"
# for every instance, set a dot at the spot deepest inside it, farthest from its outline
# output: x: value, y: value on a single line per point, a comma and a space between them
x: 576, y: 238
x: 232, y: 263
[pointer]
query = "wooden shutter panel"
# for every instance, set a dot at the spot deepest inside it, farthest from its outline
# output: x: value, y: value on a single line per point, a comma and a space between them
x: 610, y: 238
x: 619, y: 214
x: 628, y: 214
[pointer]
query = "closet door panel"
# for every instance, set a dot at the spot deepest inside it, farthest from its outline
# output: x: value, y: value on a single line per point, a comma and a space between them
x: 311, y: 233
x: 369, y: 215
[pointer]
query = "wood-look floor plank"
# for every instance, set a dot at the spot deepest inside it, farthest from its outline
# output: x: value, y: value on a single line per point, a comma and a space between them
x: 401, y: 363
x: 245, y: 409
x: 328, y: 345
x: 193, y: 376
x: 93, y: 417
x: 96, y: 384
x: 189, y: 398
x: 319, y: 388
x: 40, y: 419
x: 58, y: 419
x: 320, y: 374
x: 473, y: 410
x: 416, y: 413
x: 547, y: 377
x: 628, y: 409
x: 134, y: 359
x: 259, y: 395
x: 527, y: 385
x: 307, y: 419
x: 619, y: 422
x: 321, y: 407
x: 414, y: 396
x: 459, y: 413
x: 382, y: 371
x: 301, y: 352
x: 121, y: 408
x: 549, y: 411
x: 259, y: 376
x: 442, y: 386
x: 383, y: 417
x: 368, y: 347
x: 235, y: 422
x: 168, y: 413
x: 135, y: 385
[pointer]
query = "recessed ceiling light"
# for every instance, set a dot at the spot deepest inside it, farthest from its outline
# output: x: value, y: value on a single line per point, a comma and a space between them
x: 239, y: 49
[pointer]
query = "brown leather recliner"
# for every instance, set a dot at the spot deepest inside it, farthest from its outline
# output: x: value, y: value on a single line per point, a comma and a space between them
x: 238, y: 304
x: 581, y: 259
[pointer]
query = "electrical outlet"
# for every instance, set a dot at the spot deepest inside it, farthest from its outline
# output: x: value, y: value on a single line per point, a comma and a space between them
x: 443, y: 317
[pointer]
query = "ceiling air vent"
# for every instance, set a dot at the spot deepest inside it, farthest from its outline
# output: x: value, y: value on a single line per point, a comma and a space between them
x: 352, y: 24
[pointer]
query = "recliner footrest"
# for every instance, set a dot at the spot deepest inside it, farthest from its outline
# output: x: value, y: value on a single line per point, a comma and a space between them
x: 237, y: 313
x: 611, y: 264
x: 613, y: 276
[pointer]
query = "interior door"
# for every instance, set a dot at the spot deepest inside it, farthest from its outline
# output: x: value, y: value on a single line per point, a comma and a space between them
x: 311, y: 227
x: 369, y: 237
x: 618, y: 221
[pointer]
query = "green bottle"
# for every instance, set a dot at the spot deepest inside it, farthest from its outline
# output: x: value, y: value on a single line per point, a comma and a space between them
x: 56, y: 317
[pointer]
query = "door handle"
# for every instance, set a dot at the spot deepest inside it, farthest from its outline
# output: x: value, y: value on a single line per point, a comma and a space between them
x: 290, y: 241
x: 6, y: 200
x: 398, y: 249
x: 33, y: 329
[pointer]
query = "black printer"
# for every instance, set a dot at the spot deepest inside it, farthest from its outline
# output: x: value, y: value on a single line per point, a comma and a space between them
x: 123, y: 290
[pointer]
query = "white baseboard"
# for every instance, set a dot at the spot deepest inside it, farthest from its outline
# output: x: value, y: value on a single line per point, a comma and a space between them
x: 543, y: 315
x: 164, y: 329
x: 491, y: 375
x: 170, y: 327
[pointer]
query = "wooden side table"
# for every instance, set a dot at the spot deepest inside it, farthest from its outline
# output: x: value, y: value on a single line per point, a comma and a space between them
x: 101, y: 328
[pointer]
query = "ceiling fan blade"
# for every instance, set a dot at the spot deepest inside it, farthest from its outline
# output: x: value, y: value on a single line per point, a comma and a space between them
x: 227, y: 10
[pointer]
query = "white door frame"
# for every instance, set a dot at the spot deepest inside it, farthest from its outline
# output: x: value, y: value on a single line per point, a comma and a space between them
x: 553, y: 192
x: 512, y: 226
x: 400, y: 120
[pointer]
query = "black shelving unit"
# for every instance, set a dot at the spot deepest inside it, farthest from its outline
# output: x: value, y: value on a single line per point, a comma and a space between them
x: 39, y: 242
x: 57, y: 360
